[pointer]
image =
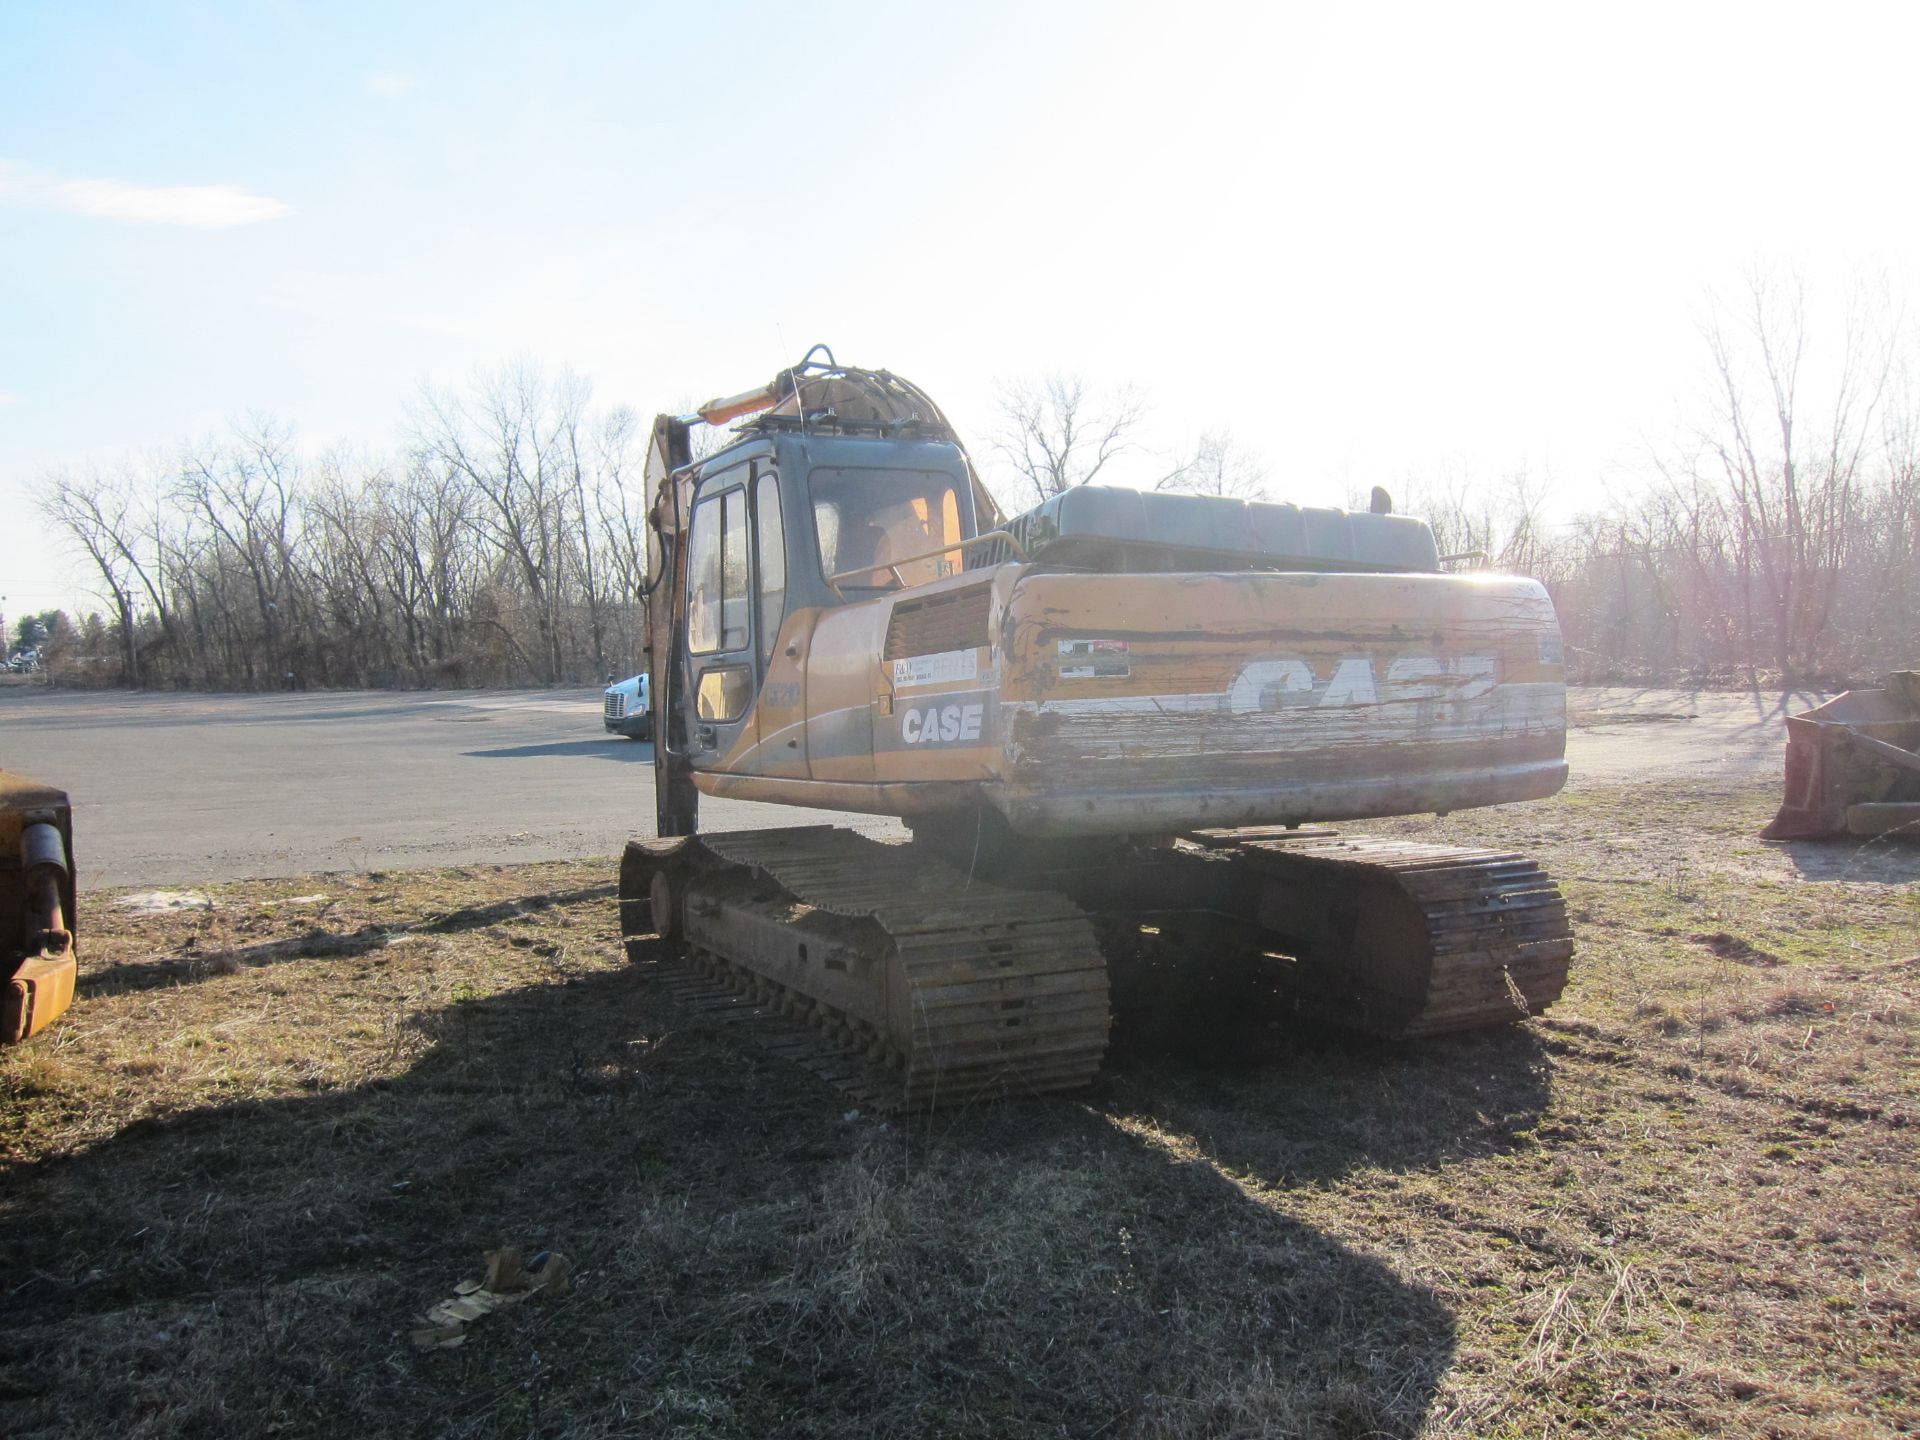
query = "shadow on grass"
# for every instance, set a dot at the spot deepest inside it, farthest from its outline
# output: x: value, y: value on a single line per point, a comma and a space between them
x: 1882, y: 860
x: 1207, y: 1049
x: 1323, y: 1107
x: 752, y: 1259
x: 186, y: 969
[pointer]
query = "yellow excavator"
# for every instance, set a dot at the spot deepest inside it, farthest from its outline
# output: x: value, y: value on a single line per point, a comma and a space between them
x: 1115, y: 726
x: 37, y: 964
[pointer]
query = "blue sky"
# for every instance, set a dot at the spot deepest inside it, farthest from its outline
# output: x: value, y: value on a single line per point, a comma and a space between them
x: 1371, y: 240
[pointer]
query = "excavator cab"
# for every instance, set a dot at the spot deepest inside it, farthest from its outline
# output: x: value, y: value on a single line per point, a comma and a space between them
x: 783, y: 526
x: 839, y: 491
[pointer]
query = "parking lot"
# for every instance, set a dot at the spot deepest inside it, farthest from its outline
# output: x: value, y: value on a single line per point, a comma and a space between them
x: 174, y: 789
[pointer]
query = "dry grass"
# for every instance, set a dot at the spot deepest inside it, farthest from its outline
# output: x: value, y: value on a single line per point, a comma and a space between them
x: 274, y: 1132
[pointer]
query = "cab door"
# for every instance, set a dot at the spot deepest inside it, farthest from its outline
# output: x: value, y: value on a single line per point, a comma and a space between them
x: 721, y: 661
x: 781, y: 715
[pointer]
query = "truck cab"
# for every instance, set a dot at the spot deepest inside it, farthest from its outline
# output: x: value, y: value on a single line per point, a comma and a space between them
x: 626, y: 710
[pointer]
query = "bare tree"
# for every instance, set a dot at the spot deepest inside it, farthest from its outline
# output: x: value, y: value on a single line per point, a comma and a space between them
x: 1793, y: 483
x: 95, y: 512
x: 1219, y: 465
x: 516, y: 441
x: 429, y: 561
x: 620, y: 514
x: 245, y: 490
x: 351, y: 552
x: 1056, y: 434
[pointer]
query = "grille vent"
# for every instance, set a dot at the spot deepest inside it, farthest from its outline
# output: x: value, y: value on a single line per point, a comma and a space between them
x: 952, y: 620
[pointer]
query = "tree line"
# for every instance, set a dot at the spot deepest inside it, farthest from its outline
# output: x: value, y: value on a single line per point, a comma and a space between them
x: 1776, y: 539
x: 501, y: 546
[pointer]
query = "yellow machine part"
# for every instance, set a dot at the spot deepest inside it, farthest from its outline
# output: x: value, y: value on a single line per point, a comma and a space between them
x: 37, y: 962
x: 1853, y: 765
x: 37, y: 995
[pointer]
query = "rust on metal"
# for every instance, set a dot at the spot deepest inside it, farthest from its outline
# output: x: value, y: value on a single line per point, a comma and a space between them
x: 38, y: 967
x: 1853, y: 765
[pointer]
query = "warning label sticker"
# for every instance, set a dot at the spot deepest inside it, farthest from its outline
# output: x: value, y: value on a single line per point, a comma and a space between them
x: 1095, y: 660
x: 941, y: 669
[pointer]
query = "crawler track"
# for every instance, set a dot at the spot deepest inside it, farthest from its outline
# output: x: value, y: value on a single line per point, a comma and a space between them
x: 1399, y: 938
x: 712, y: 988
x: 927, y: 986
x: 953, y: 988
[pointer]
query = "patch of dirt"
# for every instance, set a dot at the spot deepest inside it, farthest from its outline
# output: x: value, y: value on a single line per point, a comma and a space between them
x: 1732, y: 947
x: 158, y: 902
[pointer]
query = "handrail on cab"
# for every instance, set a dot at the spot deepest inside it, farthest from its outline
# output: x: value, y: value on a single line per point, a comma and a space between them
x: 893, y: 566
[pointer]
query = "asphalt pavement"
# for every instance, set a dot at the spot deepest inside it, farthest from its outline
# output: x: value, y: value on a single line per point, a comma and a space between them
x: 180, y: 789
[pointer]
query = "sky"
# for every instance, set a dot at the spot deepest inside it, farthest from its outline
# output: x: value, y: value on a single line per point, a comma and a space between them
x: 1373, y: 241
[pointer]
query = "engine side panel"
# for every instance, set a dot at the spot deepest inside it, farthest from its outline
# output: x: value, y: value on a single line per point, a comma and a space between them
x: 1139, y: 703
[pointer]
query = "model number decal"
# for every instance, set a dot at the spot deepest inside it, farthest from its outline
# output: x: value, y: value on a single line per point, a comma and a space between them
x: 941, y: 724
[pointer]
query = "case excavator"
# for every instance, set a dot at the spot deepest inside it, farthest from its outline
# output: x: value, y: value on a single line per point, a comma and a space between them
x: 1115, y: 725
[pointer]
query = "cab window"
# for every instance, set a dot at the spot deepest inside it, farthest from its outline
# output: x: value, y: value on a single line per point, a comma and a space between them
x: 881, y: 529
x: 717, y: 574
x: 773, y: 562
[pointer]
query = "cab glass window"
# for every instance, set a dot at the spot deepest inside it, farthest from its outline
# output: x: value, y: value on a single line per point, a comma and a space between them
x: 723, y: 694
x: 734, y: 604
x: 717, y: 574
x: 881, y: 529
x: 773, y: 561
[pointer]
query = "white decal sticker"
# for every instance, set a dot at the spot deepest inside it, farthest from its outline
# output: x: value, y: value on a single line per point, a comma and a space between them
x: 1290, y: 684
x: 940, y: 669
x: 1352, y: 683
x: 1416, y: 677
x: 1263, y: 684
x: 1472, y: 676
x: 1095, y: 659
x: 941, y: 724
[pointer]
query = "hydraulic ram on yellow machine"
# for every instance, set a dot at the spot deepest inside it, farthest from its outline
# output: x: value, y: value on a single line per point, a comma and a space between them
x: 37, y: 961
